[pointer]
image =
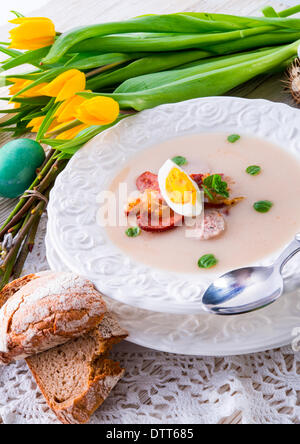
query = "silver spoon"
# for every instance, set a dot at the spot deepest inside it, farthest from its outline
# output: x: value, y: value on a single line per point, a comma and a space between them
x: 249, y: 289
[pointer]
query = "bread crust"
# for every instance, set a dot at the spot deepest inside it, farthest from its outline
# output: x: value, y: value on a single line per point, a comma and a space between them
x: 104, y: 374
x: 45, y: 311
x: 10, y: 289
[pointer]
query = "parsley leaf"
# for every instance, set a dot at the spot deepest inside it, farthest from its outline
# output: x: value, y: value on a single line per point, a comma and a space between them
x: 207, y: 261
x: 233, y: 138
x: 215, y: 184
x: 179, y: 160
x: 253, y: 170
x: 263, y: 206
x: 133, y: 232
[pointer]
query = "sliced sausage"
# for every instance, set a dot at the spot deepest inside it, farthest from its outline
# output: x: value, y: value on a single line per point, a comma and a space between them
x: 147, y: 181
x: 158, y: 224
x: 198, y: 178
x: 211, y: 227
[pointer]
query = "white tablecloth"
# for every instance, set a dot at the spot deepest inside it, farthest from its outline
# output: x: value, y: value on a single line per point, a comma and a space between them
x: 158, y: 387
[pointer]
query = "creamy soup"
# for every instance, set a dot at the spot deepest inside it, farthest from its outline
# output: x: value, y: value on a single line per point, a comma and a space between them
x: 249, y: 235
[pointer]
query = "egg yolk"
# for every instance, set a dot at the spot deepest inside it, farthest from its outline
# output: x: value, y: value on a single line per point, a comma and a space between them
x: 180, y: 188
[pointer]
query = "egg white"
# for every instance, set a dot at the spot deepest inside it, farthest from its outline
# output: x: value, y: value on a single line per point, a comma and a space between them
x: 188, y: 209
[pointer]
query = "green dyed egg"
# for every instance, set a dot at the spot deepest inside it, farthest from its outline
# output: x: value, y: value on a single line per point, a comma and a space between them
x: 19, y: 161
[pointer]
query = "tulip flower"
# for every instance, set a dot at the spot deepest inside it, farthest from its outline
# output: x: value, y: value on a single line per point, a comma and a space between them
x: 98, y: 111
x: 36, y: 123
x: 33, y: 33
x: 72, y: 133
x: 68, y: 109
x: 19, y: 84
x: 66, y: 85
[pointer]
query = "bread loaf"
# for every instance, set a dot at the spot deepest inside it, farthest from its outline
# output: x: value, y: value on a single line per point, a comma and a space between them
x: 77, y: 377
x: 43, y: 311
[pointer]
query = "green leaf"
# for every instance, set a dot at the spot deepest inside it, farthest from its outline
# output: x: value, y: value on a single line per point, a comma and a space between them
x: 47, y: 121
x: 207, y: 261
x: 253, y: 170
x: 10, y: 52
x: 215, y: 184
x: 133, y: 232
x: 233, y: 138
x: 263, y: 206
x: 17, y: 14
x: 32, y: 101
x: 208, y: 193
x: 179, y: 160
x: 30, y: 57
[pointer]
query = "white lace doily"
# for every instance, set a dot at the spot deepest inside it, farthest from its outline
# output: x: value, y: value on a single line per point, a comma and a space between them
x: 162, y: 388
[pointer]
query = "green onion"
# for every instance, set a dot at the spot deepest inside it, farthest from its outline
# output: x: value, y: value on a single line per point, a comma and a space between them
x: 200, y: 67
x: 169, y: 42
x: 213, y: 83
x: 151, y: 64
x: 258, y: 41
x: 209, y: 28
x: 268, y: 11
x: 157, y: 23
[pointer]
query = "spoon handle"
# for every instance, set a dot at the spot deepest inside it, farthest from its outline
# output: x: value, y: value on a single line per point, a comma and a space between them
x: 288, y: 253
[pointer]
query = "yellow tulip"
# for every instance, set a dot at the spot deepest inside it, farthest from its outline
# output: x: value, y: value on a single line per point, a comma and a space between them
x: 67, y: 110
x: 36, y: 123
x: 66, y: 85
x: 33, y: 33
x: 72, y: 133
x: 98, y: 111
x: 19, y: 84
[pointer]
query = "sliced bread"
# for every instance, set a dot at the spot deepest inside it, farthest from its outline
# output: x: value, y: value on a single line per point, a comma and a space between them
x: 77, y: 377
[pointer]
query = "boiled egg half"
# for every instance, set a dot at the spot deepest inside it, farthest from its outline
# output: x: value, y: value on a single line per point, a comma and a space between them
x: 178, y: 189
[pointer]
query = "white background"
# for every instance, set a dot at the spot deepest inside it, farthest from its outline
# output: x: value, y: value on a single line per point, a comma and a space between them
x: 27, y: 6
x: 18, y: 5
x: 30, y: 5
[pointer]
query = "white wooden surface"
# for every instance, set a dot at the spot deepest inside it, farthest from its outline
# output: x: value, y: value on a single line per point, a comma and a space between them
x: 69, y: 13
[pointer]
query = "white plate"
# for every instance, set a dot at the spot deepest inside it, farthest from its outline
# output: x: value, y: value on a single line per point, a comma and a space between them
x: 204, y: 334
x: 85, y: 247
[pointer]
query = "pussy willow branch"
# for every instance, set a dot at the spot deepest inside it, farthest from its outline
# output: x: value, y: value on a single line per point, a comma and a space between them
x: 9, y: 263
x: 47, y: 175
x: 27, y: 248
x: 25, y: 221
